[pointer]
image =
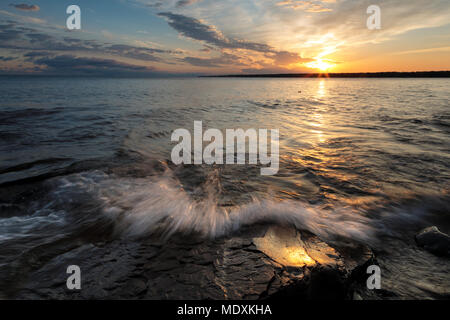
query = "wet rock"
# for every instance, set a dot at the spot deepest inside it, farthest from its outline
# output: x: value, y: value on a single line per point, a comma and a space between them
x: 136, y: 286
x: 327, y: 284
x: 434, y: 241
x: 259, y: 262
x: 285, y: 246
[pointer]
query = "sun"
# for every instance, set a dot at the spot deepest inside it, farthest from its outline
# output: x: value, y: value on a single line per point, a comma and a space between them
x: 319, y: 64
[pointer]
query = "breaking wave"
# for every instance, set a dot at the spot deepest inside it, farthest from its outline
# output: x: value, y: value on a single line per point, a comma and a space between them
x: 142, y: 206
x: 160, y: 204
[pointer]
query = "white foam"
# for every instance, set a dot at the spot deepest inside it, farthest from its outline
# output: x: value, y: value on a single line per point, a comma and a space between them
x: 141, y: 206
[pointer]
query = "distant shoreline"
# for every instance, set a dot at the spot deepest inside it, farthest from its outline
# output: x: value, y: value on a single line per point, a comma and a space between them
x: 418, y: 74
x: 414, y: 74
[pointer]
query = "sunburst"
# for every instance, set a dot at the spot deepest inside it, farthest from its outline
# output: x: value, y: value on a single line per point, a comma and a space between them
x: 320, y: 64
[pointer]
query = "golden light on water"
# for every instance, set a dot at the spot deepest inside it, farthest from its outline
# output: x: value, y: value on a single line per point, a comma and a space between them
x: 318, y: 119
x: 285, y: 247
x: 321, y: 90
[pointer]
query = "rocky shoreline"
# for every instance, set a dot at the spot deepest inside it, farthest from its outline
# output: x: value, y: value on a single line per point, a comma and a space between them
x: 259, y: 262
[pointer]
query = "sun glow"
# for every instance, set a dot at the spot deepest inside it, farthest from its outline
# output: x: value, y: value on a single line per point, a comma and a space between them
x: 319, y: 64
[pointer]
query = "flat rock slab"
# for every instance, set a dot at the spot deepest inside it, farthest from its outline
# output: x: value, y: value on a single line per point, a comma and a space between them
x: 286, y: 247
x: 259, y: 262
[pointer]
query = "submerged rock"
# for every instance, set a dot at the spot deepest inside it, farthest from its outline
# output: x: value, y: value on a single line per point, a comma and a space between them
x: 257, y: 263
x: 433, y: 240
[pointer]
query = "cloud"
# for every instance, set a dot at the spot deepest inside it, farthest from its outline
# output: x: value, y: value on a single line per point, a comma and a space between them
x: 224, y: 59
x: 137, y: 53
x: 284, y: 58
x: 50, y: 53
x: 32, y: 55
x: 428, y: 50
x: 8, y: 32
x: 234, y: 52
x: 14, y: 36
x: 7, y: 58
x: 25, y: 7
x: 25, y: 19
x: 158, y: 4
x: 203, y: 62
x: 184, y: 3
x: 70, y: 64
x: 272, y: 70
x: 308, y: 6
x: 195, y: 29
x: 398, y: 17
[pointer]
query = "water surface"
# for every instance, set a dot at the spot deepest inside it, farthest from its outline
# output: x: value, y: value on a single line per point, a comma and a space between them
x: 360, y: 159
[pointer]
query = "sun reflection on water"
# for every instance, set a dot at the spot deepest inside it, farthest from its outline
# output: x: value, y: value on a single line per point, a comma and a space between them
x: 321, y: 90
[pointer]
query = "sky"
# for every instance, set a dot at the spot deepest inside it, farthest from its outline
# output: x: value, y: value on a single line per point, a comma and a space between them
x: 193, y: 37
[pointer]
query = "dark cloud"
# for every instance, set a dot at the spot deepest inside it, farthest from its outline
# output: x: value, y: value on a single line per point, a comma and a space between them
x: 39, y: 37
x: 195, y: 29
x: 25, y: 7
x: 32, y: 55
x: 62, y: 54
x: 183, y: 3
x: 69, y: 64
x: 202, y: 62
x: 67, y: 55
x: 13, y: 36
x: 7, y: 58
x: 138, y: 53
x: 284, y: 58
x: 224, y: 59
x: 8, y: 32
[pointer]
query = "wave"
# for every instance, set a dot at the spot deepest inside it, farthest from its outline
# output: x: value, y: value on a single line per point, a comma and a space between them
x: 142, y: 206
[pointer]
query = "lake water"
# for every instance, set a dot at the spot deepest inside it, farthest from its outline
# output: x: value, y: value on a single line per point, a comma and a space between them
x: 360, y: 159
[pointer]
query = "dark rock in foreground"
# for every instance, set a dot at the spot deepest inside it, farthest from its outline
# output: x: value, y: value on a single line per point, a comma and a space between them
x: 259, y: 262
x: 433, y: 240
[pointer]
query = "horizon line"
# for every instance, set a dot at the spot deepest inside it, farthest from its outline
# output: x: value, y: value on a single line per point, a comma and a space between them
x: 383, y: 74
